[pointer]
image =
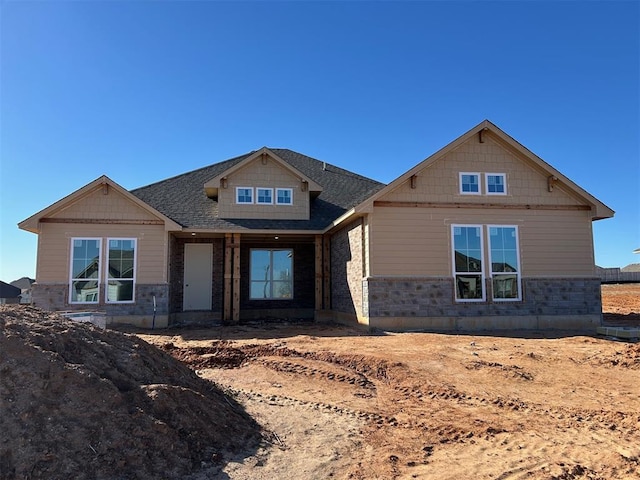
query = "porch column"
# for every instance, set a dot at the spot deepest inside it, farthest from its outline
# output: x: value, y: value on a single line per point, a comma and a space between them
x: 318, y: 272
x: 236, y: 278
x: 326, y: 271
x: 228, y: 249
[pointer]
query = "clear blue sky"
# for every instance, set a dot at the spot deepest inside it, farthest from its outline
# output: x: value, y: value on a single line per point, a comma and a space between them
x: 144, y: 90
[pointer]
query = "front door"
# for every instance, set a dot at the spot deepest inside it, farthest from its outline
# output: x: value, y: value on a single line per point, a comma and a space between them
x: 198, y: 272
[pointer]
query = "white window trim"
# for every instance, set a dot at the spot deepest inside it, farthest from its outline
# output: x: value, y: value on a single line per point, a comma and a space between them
x: 290, y: 190
x: 135, y: 271
x: 518, y: 273
x: 481, y: 272
x: 258, y: 202
x: 238, y: 195
x: 486, y: 183
x: 477, y: 174
x: 100, y: 269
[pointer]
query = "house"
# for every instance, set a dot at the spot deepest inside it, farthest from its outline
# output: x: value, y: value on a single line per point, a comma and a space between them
x: 483, y: 234
x: 9, y: 293
x: 24, y: 284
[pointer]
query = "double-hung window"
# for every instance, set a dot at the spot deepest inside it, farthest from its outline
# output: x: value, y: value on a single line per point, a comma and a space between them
x: 121, y: 272
x: 469, y: 183
x: 284, y: 196
x: 496, y: 183
x: 468, y: 262
x: 84, y: 284
x: 264, y: 196
x: 89, y: 273
x: 244, y: 195
x: 505, y: 264
x: 271, y: 274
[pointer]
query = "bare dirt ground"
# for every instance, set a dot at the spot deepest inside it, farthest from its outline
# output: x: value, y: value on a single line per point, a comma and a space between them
x: 306, y: 401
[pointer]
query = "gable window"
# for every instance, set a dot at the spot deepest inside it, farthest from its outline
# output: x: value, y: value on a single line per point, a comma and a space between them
x: 469, y: 183
x: 271, y: 274
x: 505, y: 265
x: 264, y: 196
x: 468, y: 262
x: 244, y: 195
x: 121, y: 274
x: 84, y: 285
x: 284, y: 196
x: 496, y: 183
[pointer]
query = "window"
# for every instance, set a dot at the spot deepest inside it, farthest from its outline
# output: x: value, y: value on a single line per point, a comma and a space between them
x: 470, y: 183
x: 284, y: 196
x: 264, y: 195
x: 84, y: 284
x: 496, y: 183
x: 467, y: 262
x: 121, y: 259
x: 244, y: 195
x: 271, y: 274
x: 505, y: 268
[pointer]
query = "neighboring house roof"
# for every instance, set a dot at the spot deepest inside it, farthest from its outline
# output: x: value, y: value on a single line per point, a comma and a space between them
x: 633, y: 267
x: 599, y: 209
x: 9, y: 291
x: 183, y: 198
x: 23, y: 283
x: 31, y: 224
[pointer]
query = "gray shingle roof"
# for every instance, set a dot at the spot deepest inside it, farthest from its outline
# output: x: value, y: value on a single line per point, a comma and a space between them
x: 182, y: 198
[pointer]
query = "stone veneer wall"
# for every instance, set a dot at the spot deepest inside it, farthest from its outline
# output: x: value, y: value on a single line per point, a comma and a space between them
x: 55, y: 297
x: 432, y: 298
x: 347, y: 269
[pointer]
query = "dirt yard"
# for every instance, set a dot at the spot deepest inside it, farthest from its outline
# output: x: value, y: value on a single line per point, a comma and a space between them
x: 310, y: 401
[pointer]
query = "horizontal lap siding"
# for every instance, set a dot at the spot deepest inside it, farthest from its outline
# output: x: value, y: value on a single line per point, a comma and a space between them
x: 416, y: 241
x: 54, y: 243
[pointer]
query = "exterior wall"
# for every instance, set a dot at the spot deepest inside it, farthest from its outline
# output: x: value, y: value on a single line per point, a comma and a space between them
x: 347, y: 270
x: 303, y: 302
x: 177, y: 275
x: 417, y: 241
x: 269, y: 175
x: 428, y: 303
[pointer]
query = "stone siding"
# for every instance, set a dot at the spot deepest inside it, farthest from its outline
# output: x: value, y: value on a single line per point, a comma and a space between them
x: 434, y: 297
x: 55, y: 297
x: 347, y: 269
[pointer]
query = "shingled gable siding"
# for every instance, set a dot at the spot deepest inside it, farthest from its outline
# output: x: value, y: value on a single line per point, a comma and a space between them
x: 177, y: 274
x: 303, y: 302
x: 410, y: 302
x: 347, y: 270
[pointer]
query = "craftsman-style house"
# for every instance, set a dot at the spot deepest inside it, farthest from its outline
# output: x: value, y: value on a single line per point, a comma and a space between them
x: 481, y: 235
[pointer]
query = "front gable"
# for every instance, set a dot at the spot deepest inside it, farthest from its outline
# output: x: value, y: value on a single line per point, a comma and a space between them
x: 263, y: 186
x: 100, y: 202
x: 483, y: 154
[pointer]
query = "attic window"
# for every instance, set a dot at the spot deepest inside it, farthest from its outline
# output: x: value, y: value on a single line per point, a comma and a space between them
x: 496, y: 183
x: 244, y: 195
x: 264, y: 196
x: 469, y: 183
x: 284, y: 196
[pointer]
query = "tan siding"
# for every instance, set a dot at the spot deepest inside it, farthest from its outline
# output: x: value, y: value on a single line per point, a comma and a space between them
x: 526, y: 183
x: 416, y: 241
x: 54, y: 249
x: 97, y: 205
x: 269, y: 175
